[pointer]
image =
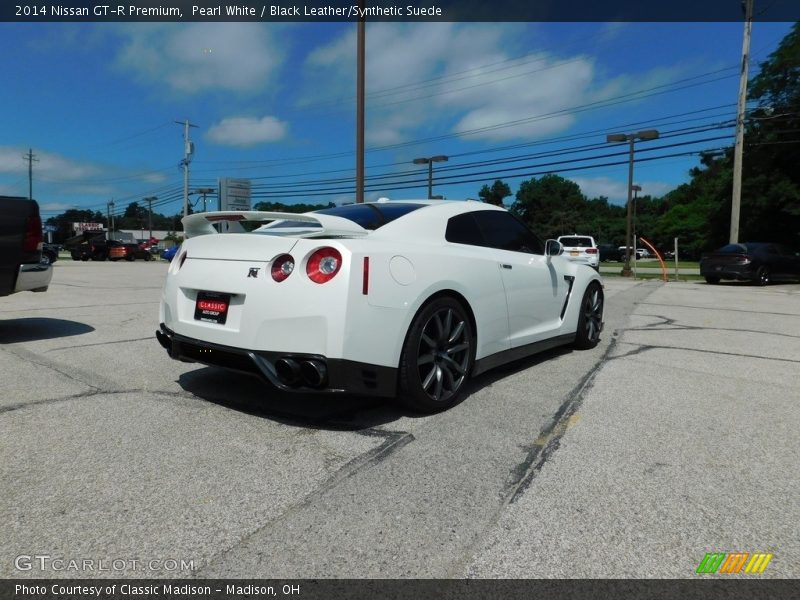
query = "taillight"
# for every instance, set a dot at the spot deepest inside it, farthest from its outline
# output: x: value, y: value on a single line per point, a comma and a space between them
x: 365, y: 280
x: 323, y: 265
x: 282, y: 267
x: 33, y: 234
x: 591, y: 251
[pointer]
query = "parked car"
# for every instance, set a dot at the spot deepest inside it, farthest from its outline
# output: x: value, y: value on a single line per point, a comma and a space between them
x: 760, y: 263
x: 94, y: 248
x: 383, y: 298
x: 50, y: 253
x: 169, y: 253
x: 607, y: 252
x: 21, y: 266
x: 581, y: 249
x: 639, y: 253
x: 129, y: 252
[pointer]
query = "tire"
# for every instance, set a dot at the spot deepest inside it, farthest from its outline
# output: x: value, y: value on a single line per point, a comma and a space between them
x: 437, y: 356
x: 590, y: 317
x: 763, y: 276
x: 712, y: 280
x: 148, y: 257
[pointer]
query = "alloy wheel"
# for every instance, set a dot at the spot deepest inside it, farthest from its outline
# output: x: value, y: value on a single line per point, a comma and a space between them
x: 593, y: 314
x: 443, y: 355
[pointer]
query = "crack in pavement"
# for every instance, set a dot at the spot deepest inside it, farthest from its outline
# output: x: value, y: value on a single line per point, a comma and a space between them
x: 674, y: 325
x: 717, y: 308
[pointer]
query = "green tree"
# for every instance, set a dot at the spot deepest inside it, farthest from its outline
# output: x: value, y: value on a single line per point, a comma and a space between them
x: 550, y: 205
x: 496, y: 193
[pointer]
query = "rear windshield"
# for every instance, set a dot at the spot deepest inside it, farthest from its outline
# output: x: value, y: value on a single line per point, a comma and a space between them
x: 371, y: 216
x: 581, y: 242
x: 733, y: 249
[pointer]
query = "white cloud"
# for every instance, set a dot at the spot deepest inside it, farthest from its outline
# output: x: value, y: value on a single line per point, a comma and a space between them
x: 483, y: 81
x: 56, y: 206
x: 457, y: 77
x: 49, y: 166
x: 616, y: 190
x: 201, y: 56
x: 247, y: 131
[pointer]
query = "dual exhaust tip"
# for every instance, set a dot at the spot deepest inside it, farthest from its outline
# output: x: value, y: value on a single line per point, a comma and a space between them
x: 293, y: 372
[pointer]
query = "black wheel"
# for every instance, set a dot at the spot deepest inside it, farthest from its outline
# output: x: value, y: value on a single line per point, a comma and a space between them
x: 148, y: 257
x: 763, y: 275
x: 437, y: 356
x: 712, y: 280
x: 590, y: 318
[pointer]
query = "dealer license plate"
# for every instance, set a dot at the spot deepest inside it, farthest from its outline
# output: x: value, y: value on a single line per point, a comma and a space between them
x: 212, y: 307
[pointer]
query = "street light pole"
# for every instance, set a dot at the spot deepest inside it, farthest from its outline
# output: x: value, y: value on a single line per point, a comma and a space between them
x: 647, y: 134
x: 429, y: 162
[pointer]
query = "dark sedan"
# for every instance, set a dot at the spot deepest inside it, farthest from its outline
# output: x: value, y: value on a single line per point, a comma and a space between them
x: 759, y: 262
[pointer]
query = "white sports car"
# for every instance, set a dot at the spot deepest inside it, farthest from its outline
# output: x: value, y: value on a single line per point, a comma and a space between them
x: 400, y: 298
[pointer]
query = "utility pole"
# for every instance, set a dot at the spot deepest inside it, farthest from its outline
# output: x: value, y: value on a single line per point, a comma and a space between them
x: 149, y: 201
x: 110, y: 207
x: 204, y: 191
x: 738, y: 151
x: 360, y: 107
x: 31, y: 158
x: 188, y: 151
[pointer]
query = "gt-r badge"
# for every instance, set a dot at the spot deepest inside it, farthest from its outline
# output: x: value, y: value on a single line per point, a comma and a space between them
x: 253, y: 272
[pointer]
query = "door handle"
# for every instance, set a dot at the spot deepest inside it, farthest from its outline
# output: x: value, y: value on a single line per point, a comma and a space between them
x: 505, y: 266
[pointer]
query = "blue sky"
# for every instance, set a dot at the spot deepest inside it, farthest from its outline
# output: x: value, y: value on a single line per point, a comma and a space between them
x: 275, y: 103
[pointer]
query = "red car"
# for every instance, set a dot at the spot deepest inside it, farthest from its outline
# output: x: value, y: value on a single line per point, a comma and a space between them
x: 129, y: 252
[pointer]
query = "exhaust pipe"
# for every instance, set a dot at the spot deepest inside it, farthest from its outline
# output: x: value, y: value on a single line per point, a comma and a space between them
x: 164, y: 340
x: 314, y: 373
x: 288, y: 371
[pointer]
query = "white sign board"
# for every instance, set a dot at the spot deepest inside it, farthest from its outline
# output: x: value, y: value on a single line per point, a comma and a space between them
x: 234, y: 194
x: 79, y: 227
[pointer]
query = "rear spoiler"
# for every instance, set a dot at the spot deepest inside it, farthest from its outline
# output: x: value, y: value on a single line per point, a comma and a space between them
x: 202, y: 223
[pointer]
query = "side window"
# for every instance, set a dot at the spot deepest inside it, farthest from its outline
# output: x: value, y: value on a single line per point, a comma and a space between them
x: 462, y: 229
x: 504, y: 231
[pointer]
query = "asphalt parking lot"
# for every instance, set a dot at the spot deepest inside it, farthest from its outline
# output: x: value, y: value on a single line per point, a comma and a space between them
x: 675, y: 437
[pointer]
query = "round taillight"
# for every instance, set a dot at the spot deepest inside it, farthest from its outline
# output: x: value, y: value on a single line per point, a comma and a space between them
x: 323, y: 265
x: 282, y: 267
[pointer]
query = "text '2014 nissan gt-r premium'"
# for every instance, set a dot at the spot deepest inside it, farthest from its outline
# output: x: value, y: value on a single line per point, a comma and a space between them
x: 400, y: 299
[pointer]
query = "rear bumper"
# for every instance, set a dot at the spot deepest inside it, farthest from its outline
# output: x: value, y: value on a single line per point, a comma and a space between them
x: 34, y: 277
x: 341, y: 376
x: 741, y: 272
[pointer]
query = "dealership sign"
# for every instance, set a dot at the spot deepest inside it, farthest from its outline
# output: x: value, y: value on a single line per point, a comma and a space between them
x: 79, y: 227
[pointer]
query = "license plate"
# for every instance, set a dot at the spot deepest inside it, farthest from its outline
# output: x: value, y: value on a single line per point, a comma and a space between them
x: 574, y: 253
x: 212, y: 307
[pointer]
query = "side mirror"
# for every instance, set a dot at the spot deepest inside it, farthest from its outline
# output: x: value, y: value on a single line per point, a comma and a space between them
x: 553, y: 248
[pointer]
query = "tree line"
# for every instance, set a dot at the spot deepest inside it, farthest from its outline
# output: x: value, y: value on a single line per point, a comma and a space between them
x: 699, y: 211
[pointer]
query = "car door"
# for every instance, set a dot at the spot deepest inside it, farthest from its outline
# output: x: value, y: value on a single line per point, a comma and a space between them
x: 534, y: 284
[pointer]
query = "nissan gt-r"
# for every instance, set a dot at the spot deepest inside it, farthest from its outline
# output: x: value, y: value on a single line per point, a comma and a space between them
x: 387, y: 298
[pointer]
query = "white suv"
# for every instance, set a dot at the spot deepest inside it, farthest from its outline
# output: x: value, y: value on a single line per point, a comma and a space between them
x: 581, y: 248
